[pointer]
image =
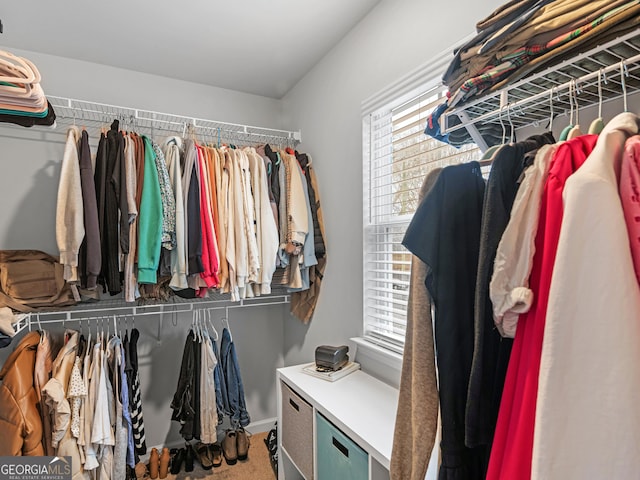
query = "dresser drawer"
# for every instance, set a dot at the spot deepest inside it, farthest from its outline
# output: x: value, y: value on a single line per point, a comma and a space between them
x: 338, y: 456
x: 297, y: 430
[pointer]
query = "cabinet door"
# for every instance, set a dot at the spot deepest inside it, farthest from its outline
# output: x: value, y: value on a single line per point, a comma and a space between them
x: 297, y: 430
x: 337, y: 455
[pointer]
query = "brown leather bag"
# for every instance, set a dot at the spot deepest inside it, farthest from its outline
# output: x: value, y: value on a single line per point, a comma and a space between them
x: 32, y: 280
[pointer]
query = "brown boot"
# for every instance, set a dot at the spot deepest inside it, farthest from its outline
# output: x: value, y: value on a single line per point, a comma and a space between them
x: 165, y: 458
x: 230, y: 448
x: 154, y: 463
x: 242, y: 444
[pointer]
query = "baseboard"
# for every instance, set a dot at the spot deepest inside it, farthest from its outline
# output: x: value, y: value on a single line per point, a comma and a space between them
x: 262, y: 425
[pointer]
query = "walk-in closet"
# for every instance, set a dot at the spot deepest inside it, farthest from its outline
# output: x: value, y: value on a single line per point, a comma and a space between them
x: 324, y: 240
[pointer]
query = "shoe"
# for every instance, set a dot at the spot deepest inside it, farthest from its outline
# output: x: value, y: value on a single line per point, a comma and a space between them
x: 242, y: 443
x: 165, y: 458
x: 215, y: 453
x: 230, y: 447
x: 177, y: 459
x: 202, y: 450
x: 154, y: 463
x: 188, y: 458
x: 141, y: 471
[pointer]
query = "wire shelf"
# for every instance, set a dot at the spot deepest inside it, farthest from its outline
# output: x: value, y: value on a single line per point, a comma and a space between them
x: 613, y: 66
x: 70, y: 111
x: 112, y: 309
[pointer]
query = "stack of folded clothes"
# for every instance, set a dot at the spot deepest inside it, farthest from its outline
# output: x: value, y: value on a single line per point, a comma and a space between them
x: 525, y: 36
x: 22, y: 100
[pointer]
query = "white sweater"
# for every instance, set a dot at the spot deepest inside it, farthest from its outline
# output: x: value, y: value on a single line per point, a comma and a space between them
x: 70, y: 208
x: 509, y: 288
x: 178, y: 254
x: 587, y: 416
x: 266, y: 228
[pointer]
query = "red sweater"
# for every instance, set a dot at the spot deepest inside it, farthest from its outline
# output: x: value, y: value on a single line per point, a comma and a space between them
x: 513, y: 441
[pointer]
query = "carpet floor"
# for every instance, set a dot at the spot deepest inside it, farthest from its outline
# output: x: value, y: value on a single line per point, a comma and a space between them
x: 256, y: 467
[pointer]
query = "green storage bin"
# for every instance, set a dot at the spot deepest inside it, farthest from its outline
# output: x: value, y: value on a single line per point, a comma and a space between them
x: 339, y: 458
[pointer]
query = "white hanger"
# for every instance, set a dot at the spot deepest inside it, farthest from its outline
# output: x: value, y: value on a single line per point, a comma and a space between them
x: 225, y: 323
x: 624, y: 73
x: 504, y: 130
x: 551, y: 110
x: 212, y: 326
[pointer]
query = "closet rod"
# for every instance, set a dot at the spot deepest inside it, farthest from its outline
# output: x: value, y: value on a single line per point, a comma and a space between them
x: 70, y: 108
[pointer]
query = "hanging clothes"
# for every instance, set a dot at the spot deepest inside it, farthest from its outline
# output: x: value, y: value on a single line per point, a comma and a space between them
x: 303, y: 303
x: 90, y: 259
x: 417, y: 415
x: 580, y: 350
x: 48, y: 348
x: 137, y: 418
x: 491, y: 351
x: 445, y: 235
x: 22, y: 427
x: 114, y: 361
x: 150, y: 222
x: 130, y: 273
x: 55, y: 395
x: 172, y: 155
x: 629, y: 181
x: 184, y: 404
x: 69, y: 211
x: 222, y: 396
x: 235, y: 390
x: 513, y: 440
x: 208, y: 413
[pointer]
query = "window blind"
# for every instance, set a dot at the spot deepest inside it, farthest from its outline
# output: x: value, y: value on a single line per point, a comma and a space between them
x: 397, y: 157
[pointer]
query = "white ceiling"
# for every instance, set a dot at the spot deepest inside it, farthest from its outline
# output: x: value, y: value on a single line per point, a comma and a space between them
x: 255, y: 46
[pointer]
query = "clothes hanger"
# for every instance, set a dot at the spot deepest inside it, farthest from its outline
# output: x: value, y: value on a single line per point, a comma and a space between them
x: 598, y: 124
x: 575, y: 131
x: 624, y: 72
x: 567, y: 129
x: 512, y: 133
x: 225, y: 324
x: 551, y: 111
x: 209, y: 315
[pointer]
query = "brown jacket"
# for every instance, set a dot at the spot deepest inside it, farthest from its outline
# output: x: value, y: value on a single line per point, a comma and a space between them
x: 20, y: 421
x: 303, y: 303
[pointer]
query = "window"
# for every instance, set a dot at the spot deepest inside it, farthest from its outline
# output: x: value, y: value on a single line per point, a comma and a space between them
x: 397, y: 157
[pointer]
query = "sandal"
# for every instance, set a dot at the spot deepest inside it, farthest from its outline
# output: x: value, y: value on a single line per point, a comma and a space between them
x: 202, y: 451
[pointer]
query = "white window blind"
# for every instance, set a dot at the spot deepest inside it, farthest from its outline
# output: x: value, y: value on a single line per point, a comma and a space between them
x: 397, y: 157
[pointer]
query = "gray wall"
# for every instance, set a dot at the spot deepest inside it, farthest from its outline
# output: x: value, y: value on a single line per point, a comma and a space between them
x: 395, y: 38
x: 30, y: 166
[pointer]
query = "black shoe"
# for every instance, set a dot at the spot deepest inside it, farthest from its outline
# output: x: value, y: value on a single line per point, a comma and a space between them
x: 177, y: 457
x: 188, y: 459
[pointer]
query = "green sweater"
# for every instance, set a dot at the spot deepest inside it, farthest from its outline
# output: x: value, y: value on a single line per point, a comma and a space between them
x: 149, y: 219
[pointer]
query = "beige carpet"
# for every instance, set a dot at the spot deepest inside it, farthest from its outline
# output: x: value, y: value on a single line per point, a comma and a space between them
x: 256, y: 467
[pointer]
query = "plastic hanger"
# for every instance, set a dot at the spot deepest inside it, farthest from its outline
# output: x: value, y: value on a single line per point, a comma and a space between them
x: 551, y: 110
x: 567, y: 129
x: 575, y: 131
x: 225, y: 324
x: 598, y: 124
x: 213, y: 328
x: 624, y: 72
